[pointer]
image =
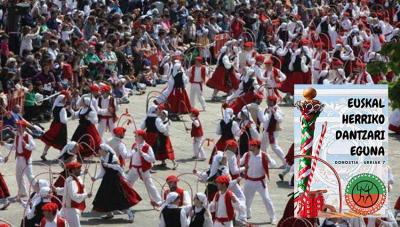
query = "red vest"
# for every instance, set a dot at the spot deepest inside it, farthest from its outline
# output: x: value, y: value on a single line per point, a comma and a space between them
x: 81, y: 206
x: 110, y: 104
x: 361, y: 78
x: 179, y: 191
x: 25, y: 152
x: 275, y: 74
x: 202, y: 72
x: 145, y: 164
x: 228, y: 205
x: 60, y: 222
x: 197, y: 131
x: 264, y: 163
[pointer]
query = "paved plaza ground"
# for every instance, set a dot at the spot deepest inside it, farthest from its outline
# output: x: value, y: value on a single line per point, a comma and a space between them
x: 182, y: 143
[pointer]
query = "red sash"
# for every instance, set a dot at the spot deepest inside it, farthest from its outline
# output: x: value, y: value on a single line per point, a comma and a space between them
x: 145, y: 165
x: 25, y: 152
x: 264, y: 161
x: 81, y: 206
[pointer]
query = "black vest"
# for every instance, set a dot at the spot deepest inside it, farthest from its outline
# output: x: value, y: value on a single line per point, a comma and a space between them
x: 82, y: 117
x: 226, y: 130
x: 248, y: 86
x: 172, y: 217
x: 220, y: 62
x: 178, y: 80
x: 151, y: 124
x: 56, y: 113
x: 198, y: 218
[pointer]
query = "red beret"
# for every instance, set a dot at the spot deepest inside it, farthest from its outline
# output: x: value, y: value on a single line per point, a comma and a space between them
x: 268, y: 61
x: 259, y: 96
x: 225, y: 105
x: 105, y: 88
x: 199, y: 58
x: 195, y: 112
x: 50, y: 207
x: 65, y: 93
x: 346, y: 14
x: 248, y: 44
x: 119, y: 131
x: 21, y: 123
x: 94, y: 88
x: 161, y: 107
x: 73, y: 165
x: 222, y: 180
x: 141, y: 133
x: 231, y: 143
x: 255, y: 142
x: 260, y: 58
x: 172, y: 178
x: 304, y: 41
x: 337, y: 62
x: 272, y: 98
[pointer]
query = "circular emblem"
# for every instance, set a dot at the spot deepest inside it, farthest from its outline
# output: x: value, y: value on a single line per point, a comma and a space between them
x: 365, y: 194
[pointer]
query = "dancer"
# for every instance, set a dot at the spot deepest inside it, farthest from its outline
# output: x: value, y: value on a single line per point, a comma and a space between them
x: 86, y: 131
x: 198, y: 74
x: 114, y: 192
x: 118, y: 145
x: 197, y: 133
x: 172, y: 182
x: 231, y: 154
x: 57, y: 136
x: 273, y: 78
x: 199, y: 214
x: 107, y: 110
x: 224, y: 77
x: 171, y: 214
x: 248, y: 130
x: 33, y: 212
x: 224, y: 205
x: 74, y: 195
x: 273, y: 117
x: 141, y: 161
x: 23, y: 146
x: 256, y: 168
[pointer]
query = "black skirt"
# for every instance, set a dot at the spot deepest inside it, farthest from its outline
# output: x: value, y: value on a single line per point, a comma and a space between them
x: 114, y: 193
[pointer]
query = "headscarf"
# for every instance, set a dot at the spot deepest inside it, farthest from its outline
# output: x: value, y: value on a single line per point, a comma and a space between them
x: 58, y: 100
x: 67, y: 149
x: 228, y: 115
x: 176, y: 68
x: 203, y: 199
x: 152, y: 110
x: 171, y: 197
x: 44, y: 191
x: 43, y: 183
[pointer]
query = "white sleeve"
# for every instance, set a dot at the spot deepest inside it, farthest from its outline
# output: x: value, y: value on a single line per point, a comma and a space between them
x: 101, y: 173
x: 304, y: 66
x: 123, y: 151
x: 184, y: 219
x: 235, y: 129
x: 214, y: 167
x: 161, y: 126
x: 186, y: 199
x: 72, y: 189
x: 31, y: 144
x: 240, y: 208
x: 226, y: 62
x: 282, y: 76
x: 260, y: 116
x: 196, y: 123
x: 369, y: 79
x: 278, y: 115
x: 63, y: 116
x: 292, y: 60
x: 143, y: 125
x: 149, y: 156
x: 92, y: 117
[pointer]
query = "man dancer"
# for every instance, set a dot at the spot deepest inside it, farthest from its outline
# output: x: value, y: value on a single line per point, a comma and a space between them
x: 184, y: 195
x: 107, y: 110
x: 74, y: 195
x: 23, y: 146
x: 118, y: 145
x: 142, y: 159
x: 255, y: 163
x: 197, y: 77
x: 273, y: 116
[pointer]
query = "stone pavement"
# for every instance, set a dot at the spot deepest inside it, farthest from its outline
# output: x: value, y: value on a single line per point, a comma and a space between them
x: 182, y: 143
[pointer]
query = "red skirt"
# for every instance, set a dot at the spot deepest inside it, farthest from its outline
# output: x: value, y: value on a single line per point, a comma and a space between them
x: 178, y: 101
x: 56, y: 136
x: 327, y: 45
x: 241, y: 101
x: 90, y: 145
x: 151, y: 138
x: 131, y: 195
x: 4, y: 193
x: 164, y: 150
x: 293, y: 78
x: 394, y: 128
x: 290, y: 155
x: 218, y: 82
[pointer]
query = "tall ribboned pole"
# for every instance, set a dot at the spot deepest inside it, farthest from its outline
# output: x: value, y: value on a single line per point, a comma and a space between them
x: 310, y: 110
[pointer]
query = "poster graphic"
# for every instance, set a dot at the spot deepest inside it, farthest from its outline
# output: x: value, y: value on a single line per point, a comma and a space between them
x: 341, y: 148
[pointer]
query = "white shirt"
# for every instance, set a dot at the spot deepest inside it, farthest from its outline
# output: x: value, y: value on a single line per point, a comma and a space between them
x: 105, y: 103
x: 197, y: 73
x: 232, y: 162
x: 91, y: 116
x: 220, y: 209
x: 119, y: 147
x: 278, y: 115
x: 255, y: 167
x: 136, y: 157
x: 270, y: 79
x: 394, y: 118
x: 26, y: 42
x: 54, y: 223
x: 235, y: 129
x: 71, y: 192
x: 21, y: 144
